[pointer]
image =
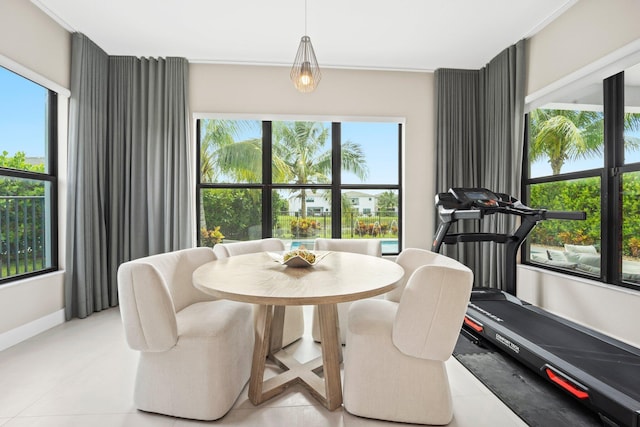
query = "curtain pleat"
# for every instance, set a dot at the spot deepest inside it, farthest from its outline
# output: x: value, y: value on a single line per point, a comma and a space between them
x: 479, y: 141
x: 130, y: 185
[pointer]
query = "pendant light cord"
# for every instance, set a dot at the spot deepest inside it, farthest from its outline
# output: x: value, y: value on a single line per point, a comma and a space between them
x: 305, y: 17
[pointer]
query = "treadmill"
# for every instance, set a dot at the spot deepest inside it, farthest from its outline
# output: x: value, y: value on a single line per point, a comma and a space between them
x: 597, y: 370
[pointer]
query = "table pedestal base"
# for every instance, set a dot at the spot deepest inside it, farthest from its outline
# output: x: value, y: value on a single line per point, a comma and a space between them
x: 268, y: 345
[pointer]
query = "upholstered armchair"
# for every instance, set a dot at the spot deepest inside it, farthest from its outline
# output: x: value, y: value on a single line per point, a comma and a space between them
x: 371, y: 247
x: 394, y: 366
x: 293, y: 315
x: 195, y: 351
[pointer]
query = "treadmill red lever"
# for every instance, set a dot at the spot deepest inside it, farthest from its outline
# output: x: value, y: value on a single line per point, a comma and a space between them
x: 566, y: 384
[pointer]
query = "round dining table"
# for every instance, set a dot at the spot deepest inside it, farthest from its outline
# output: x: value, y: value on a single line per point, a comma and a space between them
x: 260, y: 279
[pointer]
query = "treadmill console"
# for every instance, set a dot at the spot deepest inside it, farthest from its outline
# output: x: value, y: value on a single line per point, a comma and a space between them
x: 472, y: 198
x: 475, y: 197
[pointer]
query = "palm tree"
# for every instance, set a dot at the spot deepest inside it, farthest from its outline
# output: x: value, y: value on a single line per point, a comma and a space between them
x: 387, y: 201
x: 221, y: 155
x: 561, y: 135
x: 299, y: 156
x: 631, y: 124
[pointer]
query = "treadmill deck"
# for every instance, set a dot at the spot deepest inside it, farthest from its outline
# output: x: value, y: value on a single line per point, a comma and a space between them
x: 602, y: 360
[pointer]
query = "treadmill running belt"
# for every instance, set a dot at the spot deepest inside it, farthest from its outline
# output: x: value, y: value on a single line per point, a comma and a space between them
x: 599, y: 359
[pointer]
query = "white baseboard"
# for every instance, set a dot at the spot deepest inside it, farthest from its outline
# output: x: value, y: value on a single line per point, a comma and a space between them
x: 31, y: 329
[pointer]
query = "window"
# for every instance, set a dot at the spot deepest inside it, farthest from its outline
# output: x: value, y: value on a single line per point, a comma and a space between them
x: 583, y: 154
x: 297, y: 180
x: 28, y: 236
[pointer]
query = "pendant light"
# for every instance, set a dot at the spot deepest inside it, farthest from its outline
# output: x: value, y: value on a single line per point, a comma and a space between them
x: 305, y: 72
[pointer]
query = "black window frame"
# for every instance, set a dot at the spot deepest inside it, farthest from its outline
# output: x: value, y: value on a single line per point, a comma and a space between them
x: 610, y: 187
x: 49, y: 176
x: 267, y: 186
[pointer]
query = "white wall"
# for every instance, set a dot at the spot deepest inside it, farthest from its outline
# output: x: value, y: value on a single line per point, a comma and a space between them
x: 35, y: 46
x: 587, y: 32
x: 32, y: 39
x: 583, y: 40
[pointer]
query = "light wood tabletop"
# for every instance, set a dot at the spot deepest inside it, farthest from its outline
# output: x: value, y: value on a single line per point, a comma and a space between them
x: 257, y: 278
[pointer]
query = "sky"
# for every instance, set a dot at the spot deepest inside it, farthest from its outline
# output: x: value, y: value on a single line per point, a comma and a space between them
x: 380, y: 145
x: 22, y: 115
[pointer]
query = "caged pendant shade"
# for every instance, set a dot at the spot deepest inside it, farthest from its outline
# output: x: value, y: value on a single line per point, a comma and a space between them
x: 305, y: 72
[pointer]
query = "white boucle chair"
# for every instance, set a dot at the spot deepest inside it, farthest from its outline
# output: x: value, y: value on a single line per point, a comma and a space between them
x: 412, y: 258
x: 371, y: 247
x: 293, y: 314
x: 394, y: 366
x: 195, y: 351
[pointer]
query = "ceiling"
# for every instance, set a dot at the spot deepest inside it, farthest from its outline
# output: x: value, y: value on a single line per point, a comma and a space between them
x: 412, y: 35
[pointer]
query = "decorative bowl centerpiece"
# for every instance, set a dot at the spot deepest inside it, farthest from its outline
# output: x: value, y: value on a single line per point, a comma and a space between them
x: 298, y: 258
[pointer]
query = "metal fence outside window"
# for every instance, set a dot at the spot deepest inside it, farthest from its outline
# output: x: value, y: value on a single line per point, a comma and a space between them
x: 353, y: 225
x: 22, y: 234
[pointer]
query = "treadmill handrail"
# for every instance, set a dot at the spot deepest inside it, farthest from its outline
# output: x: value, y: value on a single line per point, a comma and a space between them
x: 512, y: 207
x: 566, y: 215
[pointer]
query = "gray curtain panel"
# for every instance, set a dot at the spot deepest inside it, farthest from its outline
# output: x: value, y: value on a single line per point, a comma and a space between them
x: 151, y: 185
x: 503, y: 135
x: 479, y: 142
x: 457, y: 148
x: 86, y: 275
x: 130, y: 181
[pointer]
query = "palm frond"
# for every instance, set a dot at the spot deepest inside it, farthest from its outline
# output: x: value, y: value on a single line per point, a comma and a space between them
x: 561, y: 135
x: 354, y: 160
x: 242, y: 160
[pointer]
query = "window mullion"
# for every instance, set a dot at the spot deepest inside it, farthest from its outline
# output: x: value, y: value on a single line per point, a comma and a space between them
x: 613, y: 91
x: 336, y: 180
x: 400, y: 187
x: 267, y: 179
x: 198, y: 182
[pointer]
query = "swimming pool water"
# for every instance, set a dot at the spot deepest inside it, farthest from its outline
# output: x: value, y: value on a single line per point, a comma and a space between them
x: 388, y: 246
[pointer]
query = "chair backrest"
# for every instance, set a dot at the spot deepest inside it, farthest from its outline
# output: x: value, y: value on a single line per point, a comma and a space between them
x: 152, y: 289
x: 431, y: 310
x: 412, y: 258
x: 226, y: 250
x: 371, y: 247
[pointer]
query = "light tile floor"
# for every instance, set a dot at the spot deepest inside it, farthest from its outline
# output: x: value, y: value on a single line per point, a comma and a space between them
x: 81, y: 373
